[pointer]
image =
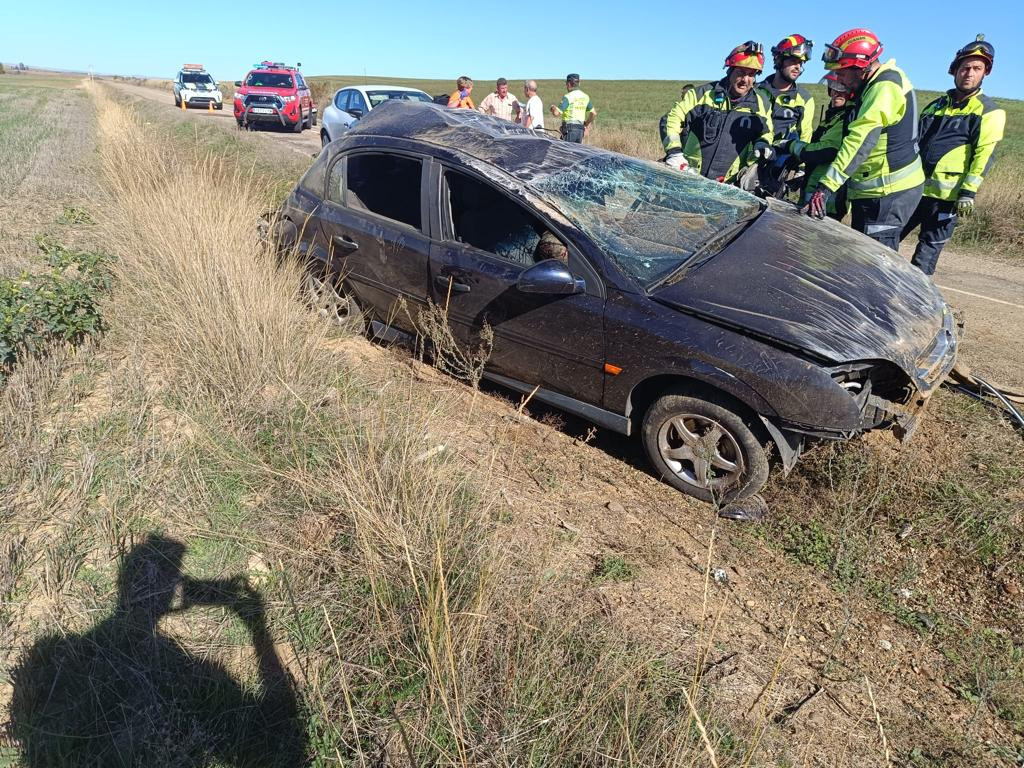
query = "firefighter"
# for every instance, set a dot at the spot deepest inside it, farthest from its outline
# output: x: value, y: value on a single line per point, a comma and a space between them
x: 728, y: 123
x: 959, y: 133
x: 792, y: 105
x: 878, y: 159
x: 821, y: 150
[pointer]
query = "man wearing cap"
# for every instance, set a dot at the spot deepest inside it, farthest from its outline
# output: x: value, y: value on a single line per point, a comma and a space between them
x: 878, y: 159
x: 576, y: 110
x: 792, y: 105
x: 959, y: 133
x: 728, y: 122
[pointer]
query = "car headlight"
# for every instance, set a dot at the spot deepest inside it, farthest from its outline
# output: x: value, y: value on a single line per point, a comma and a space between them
x: 287, y: 99
x: 218, y: 95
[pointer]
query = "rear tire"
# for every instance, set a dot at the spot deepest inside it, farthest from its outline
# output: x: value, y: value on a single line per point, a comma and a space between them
x: 324, y: 138
x: 703, y: 447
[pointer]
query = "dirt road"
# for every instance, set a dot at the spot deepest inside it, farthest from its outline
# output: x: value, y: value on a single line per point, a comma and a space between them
x: 989, y: 292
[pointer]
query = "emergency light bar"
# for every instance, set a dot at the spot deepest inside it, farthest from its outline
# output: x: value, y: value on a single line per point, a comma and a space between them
x: 193, y: 67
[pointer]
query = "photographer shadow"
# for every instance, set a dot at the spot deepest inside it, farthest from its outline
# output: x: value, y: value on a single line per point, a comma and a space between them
x: 126, y: 694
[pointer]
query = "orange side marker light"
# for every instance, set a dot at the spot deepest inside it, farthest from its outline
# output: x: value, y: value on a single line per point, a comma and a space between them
x: 614, y: 370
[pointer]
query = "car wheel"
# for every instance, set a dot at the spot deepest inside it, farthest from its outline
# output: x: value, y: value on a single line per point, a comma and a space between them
x: 297, y: 128
x: 329, y: 299
x: 704, y: 448
x: 324, y: 138
x: 312, y: 119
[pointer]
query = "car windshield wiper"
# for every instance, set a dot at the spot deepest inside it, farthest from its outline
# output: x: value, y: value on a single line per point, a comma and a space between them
x: 709, y: 248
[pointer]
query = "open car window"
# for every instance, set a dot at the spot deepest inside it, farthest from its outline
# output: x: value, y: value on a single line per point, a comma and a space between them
x: 648, y: 219
x: 384, y: 184
x: 480, y: 216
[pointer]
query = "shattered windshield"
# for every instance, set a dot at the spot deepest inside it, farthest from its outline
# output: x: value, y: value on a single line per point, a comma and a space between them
x: 648, y: 219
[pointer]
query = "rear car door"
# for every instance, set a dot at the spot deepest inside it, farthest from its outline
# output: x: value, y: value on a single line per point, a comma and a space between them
x: 485, y: 240
x: 374, y: 224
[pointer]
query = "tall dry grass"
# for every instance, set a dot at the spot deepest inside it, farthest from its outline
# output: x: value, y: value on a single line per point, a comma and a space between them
x: 210, y: 306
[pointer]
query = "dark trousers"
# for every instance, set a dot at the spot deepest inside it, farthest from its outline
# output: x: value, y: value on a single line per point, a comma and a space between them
x: 572, y: 132
x: 883, y: 218
x: 937, y: 219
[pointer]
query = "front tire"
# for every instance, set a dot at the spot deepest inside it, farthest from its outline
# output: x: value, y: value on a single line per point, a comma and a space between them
x: 703, y: 447
x: 327, y: 296
x: 324, y: 138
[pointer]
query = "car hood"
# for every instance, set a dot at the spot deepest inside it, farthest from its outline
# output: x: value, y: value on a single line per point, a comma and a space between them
x: 816, y: 286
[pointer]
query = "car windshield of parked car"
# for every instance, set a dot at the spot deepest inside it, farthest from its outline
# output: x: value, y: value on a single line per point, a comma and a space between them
x: 269, y: 80
x: 379, y: 97
x: 196, y: 78
x: 650, y: 220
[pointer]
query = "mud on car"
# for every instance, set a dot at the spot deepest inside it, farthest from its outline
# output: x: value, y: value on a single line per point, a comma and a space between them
x: 274, y: 94
x: 721, y: 330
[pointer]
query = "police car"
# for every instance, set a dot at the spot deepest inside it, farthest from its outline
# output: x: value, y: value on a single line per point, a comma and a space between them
x: 195, y: 87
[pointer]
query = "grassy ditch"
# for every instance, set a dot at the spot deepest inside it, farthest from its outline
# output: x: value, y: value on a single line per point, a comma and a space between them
x: 243, y: 550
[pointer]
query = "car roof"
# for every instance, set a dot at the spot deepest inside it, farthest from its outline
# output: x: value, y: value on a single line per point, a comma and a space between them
x: 381, y: 87
x: 525, y: 154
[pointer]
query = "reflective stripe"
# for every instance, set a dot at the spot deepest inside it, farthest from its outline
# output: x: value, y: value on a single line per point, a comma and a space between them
x: 833, y: 175
x: 973, y: 180
x: 872, y: 229
x: 888, y: 178
x: 943, y: 184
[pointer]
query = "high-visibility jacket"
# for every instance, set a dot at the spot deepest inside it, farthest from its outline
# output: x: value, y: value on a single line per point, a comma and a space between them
x: 575, y: 107
x: 879, y: 154
x: 821, y: 150
x: 792, y: 110
x: 721, y: 132
x: 958, y: 142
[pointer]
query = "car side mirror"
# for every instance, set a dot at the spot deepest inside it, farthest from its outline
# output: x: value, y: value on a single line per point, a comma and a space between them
x: 550, y: 276
x: 356, y: 113
x: 238, y: 83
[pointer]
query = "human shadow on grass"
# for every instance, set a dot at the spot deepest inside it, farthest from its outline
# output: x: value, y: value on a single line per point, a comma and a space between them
x: 126, y: 694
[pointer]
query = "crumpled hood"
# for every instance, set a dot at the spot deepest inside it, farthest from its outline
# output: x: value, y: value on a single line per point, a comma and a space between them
x: 817, y: 286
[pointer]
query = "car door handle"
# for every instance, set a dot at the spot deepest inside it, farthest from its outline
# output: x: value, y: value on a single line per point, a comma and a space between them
x: 344, y: 243
x: 443, y: 281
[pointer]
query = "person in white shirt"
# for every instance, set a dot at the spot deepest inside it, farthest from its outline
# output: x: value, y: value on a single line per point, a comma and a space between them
x: 532, y: 113
x: 501, y: 103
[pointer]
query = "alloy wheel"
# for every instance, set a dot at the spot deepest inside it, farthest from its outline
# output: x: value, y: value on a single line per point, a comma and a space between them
x: 701, y: 452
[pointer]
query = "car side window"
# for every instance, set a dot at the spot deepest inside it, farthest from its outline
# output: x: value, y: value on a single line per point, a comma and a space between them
x: 341, y: 100
x: 387, y: 185
x: 357, y: 102
x: 486, y: 219
x: 336, y: 182
x: 302, y: 83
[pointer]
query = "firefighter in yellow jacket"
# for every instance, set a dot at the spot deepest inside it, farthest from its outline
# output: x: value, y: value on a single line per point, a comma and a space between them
x: 792, y: 104
x: 728, y: 124
x: 959, y: 133
x: 878, y: 159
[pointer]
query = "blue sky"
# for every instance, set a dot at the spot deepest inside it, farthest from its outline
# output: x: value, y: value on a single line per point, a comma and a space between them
x: 600, y: 39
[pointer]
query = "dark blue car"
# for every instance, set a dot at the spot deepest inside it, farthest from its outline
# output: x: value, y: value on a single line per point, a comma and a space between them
x: 721, y: 329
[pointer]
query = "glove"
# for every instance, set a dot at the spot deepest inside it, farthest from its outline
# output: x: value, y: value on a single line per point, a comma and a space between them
x: 818, y: 205
x: 965, y: 206
x: 764, y: 151
x: 794, y: 147
x: 676, y: 161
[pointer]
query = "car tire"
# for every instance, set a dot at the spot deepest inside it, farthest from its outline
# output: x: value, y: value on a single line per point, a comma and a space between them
x: 312, y: 119
x: 297, y: 128
x: 324, y: 138
x: 328, y: 297
x: 702, y: 446
x: 218, y: 106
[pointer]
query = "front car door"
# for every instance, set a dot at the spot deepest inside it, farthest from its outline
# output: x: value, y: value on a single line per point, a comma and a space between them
x: 484, y: 240
x: 375, y: 225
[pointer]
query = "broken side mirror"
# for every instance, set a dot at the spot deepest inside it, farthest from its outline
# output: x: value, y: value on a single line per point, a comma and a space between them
x: 550, y: 276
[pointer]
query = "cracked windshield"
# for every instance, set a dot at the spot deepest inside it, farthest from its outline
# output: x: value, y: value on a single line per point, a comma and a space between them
x: 649, y: 220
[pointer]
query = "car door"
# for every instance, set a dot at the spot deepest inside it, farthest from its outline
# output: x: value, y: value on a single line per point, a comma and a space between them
x: 484, y: 241
x: 374, y: 222
x: 305, y: 103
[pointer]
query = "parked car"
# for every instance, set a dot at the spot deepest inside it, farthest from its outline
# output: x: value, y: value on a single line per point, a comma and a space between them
x: 354, y: 102
x: 195, y: 87
x: 715, y: 326
x: 274, y: 94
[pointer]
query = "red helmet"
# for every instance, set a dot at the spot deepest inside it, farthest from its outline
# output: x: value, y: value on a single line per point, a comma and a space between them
x: 854, y: 48
x: 748, y: 54
x: 793, y: 47
x: 979, y: 48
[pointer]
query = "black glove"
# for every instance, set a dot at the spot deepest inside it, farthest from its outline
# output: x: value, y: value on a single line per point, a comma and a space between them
x: 818, y: 205
x: 764, y: 151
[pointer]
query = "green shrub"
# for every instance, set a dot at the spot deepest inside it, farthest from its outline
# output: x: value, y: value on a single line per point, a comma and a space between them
x: 60, y: 304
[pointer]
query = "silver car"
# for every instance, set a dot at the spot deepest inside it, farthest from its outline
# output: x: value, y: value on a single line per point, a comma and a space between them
x: 353, y: 102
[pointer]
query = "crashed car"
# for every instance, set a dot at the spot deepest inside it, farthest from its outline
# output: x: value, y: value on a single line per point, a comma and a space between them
x: 722, y: 330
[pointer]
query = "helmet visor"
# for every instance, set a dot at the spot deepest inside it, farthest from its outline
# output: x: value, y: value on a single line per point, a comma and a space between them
x: 832, y: 82
x: 980, y: 48
x: 833, y: 54
x: 801, y: 51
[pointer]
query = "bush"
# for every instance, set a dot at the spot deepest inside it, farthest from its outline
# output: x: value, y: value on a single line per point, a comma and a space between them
x: 59, y: 304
